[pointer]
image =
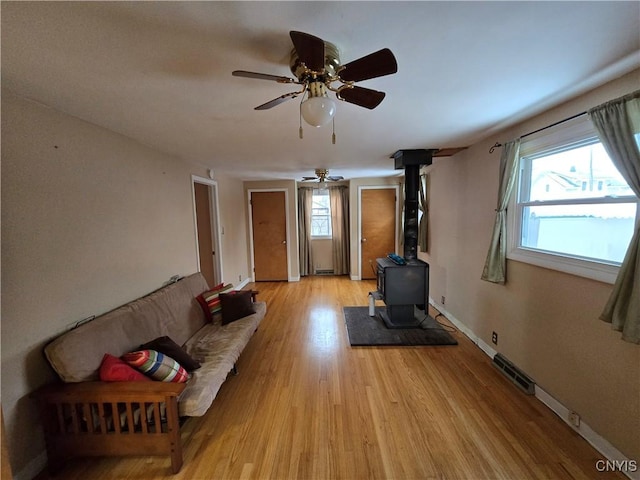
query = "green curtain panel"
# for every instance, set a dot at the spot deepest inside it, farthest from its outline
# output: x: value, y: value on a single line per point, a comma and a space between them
x: 401, y: 232
x: 305, y: 202
x: 495, y: 267
x: 618, y: 124
x: 339, y: 198
x: 423, y: 204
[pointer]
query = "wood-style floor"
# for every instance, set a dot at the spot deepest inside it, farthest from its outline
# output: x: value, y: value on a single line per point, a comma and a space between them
x: 306, y: 405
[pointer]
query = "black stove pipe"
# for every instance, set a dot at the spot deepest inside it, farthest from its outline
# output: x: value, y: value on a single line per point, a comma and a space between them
x: 411, y: 161
x: 411, y: 186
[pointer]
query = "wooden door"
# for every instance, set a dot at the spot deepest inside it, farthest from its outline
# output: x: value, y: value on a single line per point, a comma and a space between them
x: 378, y: 227
x: 268, y: 216
x: 206, y: 248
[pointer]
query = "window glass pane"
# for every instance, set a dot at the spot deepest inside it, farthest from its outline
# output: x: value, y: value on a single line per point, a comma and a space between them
x: 320, y: 214
x: 595, y: 231
x: 583, y: 172
x: 574, y: 211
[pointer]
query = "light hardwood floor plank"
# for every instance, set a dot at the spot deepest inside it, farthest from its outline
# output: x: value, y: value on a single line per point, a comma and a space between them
x: 306, y: 405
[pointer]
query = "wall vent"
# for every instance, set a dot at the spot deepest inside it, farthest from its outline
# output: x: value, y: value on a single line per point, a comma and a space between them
x: 516, y: 375
x: 324, y: 271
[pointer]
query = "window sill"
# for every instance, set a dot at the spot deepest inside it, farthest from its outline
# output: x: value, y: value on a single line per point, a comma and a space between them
x: 596, y: 271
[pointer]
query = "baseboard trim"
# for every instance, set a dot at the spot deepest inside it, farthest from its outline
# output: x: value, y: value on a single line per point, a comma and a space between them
x: 464, y: 329
x: 596, y: 440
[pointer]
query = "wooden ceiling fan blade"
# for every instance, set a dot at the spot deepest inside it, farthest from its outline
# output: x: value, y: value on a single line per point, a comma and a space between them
x: 262, y: 76
x: 335, y: 179
x: 310, y: 49
x: 363, y: 97
x: 376, y: 64
x: 277, y: 101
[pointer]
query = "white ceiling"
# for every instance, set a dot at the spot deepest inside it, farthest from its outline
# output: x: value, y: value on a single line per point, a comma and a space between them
x: 160, y: 72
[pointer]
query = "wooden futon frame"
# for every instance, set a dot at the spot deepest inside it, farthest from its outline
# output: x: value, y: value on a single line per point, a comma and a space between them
x: 119, y: 418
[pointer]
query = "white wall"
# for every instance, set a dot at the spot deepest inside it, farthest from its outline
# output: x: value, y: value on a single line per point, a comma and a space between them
x: 322, y: 253
x: 234, y: 237
x: 547, y: 321
x: 90, y: 220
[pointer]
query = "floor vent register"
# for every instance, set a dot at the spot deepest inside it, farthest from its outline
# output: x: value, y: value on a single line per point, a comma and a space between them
x: 516, y: 375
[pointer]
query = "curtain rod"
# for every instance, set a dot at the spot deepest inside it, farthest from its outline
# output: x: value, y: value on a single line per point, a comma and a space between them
x: 496, y: 145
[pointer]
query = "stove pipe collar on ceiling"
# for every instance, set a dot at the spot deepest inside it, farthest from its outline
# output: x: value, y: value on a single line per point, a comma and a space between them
x: 411, y: 161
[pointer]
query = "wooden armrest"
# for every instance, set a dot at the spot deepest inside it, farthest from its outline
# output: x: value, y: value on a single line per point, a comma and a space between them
x: 111, y: 391
x: 253, y: 294
x: 110, y: 418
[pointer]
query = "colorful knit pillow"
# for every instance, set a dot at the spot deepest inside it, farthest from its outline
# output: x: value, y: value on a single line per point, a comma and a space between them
x: 210, y: 300
x: 157, y: 365
x: 170, y: 348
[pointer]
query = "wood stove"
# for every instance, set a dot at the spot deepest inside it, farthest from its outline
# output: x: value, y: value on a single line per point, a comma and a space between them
x: 402, y: 287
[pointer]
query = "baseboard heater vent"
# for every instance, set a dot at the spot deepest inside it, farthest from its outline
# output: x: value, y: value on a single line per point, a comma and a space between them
x: 324, y: 271
x: 514, y: 374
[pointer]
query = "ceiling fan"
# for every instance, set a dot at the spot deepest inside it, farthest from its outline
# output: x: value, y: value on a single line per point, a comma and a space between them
x: 322, y: 175
x: 317, y: 68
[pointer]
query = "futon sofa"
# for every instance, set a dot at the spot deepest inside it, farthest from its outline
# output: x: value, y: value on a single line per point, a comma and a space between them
x: 84, y: 416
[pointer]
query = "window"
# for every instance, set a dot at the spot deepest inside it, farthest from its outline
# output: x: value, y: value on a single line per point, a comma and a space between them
x: 321, y: 214
x: 573, y: 210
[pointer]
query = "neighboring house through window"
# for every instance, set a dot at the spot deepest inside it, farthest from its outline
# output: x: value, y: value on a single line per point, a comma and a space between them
x: 571, y: 209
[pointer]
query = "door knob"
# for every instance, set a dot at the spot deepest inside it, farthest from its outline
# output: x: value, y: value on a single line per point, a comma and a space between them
x: 363, y: 240
x: 284, y: 242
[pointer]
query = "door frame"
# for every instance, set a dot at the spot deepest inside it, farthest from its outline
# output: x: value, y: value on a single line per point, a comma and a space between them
x: 359, y: 220
x: 214, y: 211
x: 252, y: 259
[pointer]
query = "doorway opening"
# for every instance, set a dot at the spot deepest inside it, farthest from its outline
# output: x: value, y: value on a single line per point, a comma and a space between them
x: 207, y: 220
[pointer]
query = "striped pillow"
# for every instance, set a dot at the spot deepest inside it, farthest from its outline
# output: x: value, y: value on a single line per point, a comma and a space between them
x: 157, y: 365
x: 210, y: 300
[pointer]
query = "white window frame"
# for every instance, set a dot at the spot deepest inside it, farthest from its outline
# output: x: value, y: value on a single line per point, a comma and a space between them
x: 317, y: 191
x: 570, y: 133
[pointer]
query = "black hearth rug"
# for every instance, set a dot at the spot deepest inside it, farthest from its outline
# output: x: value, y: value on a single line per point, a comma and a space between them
x: 364, y: 330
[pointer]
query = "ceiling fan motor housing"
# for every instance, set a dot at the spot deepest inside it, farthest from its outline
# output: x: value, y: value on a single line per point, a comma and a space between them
x: 331, y: 63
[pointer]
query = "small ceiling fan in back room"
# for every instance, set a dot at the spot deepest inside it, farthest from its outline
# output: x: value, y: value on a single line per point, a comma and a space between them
x: 322, y: 175
x: 317, y: 68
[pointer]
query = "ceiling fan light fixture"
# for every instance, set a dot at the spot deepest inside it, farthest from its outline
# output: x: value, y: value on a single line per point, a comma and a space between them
x: 316, y: 67
x: 318, y: 109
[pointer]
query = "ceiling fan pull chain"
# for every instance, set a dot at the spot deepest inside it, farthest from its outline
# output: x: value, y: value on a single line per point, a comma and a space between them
x: 333, y: 135
x: 300, y: 129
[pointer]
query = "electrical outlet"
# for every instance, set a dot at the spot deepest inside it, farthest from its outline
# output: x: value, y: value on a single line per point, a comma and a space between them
x: 494, y: 338
x: 574, y: 419
x: 442, y: 298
